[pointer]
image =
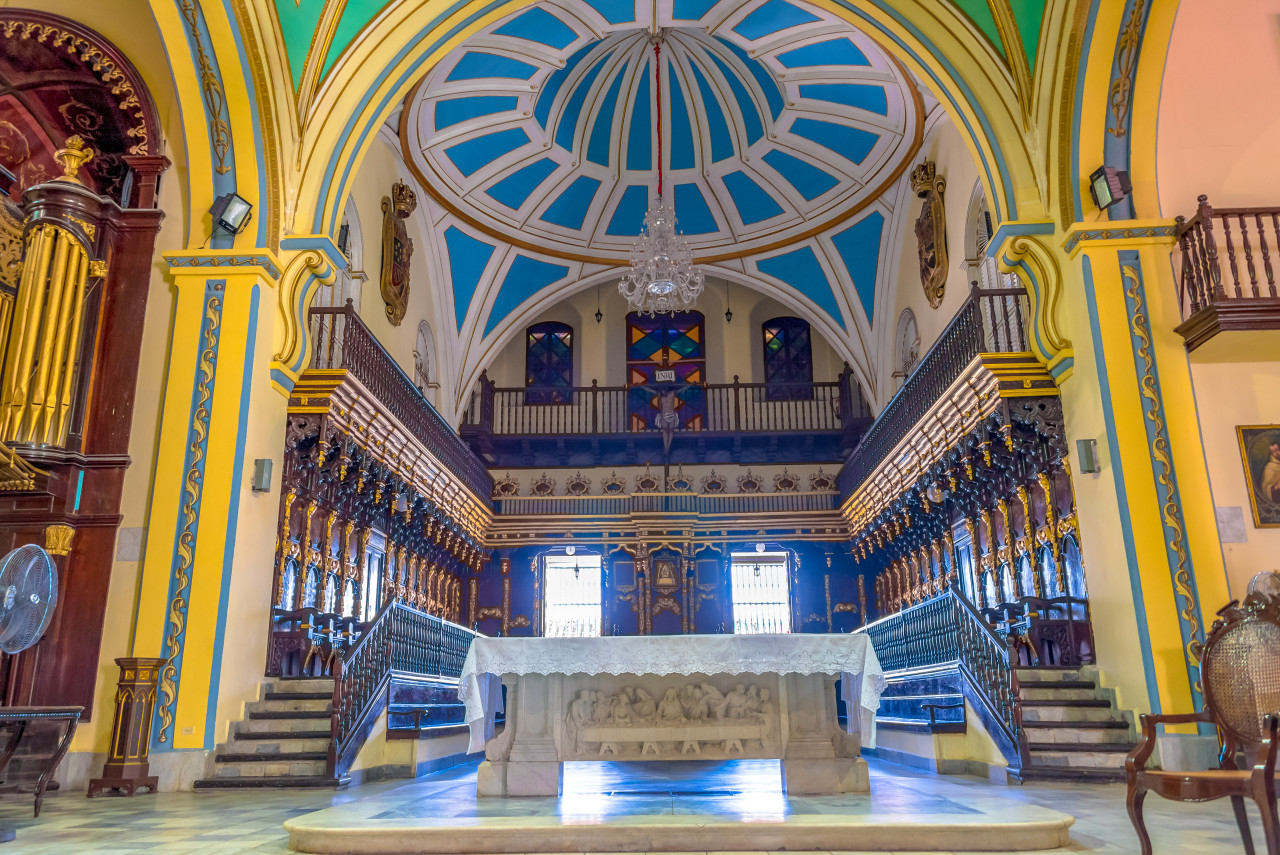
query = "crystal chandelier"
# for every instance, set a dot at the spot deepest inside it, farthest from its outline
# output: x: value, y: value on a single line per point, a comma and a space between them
x: 662, y: 279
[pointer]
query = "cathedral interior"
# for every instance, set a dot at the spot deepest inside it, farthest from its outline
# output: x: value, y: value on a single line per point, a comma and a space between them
x: 483, y: 426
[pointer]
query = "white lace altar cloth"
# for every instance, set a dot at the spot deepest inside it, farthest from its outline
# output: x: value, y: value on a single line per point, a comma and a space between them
x: 851, y: 656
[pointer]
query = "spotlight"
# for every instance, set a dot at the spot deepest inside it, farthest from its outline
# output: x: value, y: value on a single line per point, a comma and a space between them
x: 1109, y: 186
x: 231, y: 213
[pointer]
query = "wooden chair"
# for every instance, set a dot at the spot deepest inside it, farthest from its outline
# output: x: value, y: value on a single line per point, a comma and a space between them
x: 1240, y: 670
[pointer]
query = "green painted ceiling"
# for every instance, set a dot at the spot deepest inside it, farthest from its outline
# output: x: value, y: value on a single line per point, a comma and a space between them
x: 298, y: 22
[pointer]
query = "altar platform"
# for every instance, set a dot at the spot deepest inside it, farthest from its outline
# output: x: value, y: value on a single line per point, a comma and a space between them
x: 679, y: 806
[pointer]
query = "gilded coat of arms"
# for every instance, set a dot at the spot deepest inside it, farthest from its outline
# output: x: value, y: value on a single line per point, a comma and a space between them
x: 931, y: 231
x: 397, y: 250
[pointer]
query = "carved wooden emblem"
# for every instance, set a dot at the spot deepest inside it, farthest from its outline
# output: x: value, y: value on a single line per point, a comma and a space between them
x: 397, y: 250
x: 931, y: 231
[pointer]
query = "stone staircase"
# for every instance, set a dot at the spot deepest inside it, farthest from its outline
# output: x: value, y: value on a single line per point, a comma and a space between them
x: 283, y: 740
x: 1071, y: 726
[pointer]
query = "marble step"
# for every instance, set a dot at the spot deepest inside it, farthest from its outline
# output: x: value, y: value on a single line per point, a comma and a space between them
x: 1046, y: 675
x: 289, y: 726
x: 283, y: 782
x: 1105, y: 755
x: 289, y: 695
x: 1067, y: 711
x: 1071, y: 773
x: 269, y: 743
x: 1076, y: 733
x: 270, y: 768
x: 274, y: 703
x: 1076, y: 692
x: 300, y: 684
x: 289, y: 715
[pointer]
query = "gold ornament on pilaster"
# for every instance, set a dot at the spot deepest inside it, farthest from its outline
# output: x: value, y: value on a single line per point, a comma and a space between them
x: 303, y: 274
x: 1036, y: 263
x: 57, y: 539
x: 931, y: 231
x: 73, y: 155
x: 397, y: 250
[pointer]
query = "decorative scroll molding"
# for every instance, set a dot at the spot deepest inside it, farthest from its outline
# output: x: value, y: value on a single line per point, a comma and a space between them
x: 1126, y: 62
x: 210, y: 86
x: 189, y: 508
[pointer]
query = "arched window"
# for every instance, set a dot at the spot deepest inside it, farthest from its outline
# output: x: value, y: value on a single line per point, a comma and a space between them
x: 788, y: 360
x: 548, y: 361
x: 423, y: 352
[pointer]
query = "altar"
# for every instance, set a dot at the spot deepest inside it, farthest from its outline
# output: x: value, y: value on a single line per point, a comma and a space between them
x: 685, y: 697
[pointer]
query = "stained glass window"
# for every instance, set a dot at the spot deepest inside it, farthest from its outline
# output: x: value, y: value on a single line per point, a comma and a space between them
x: 666, y: 343
x: 548, y: 375
x: 788, y: 360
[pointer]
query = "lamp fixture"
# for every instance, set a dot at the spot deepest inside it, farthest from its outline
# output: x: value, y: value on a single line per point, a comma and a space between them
x: 757, y: 569
x: 575, y: 569
x: 231, y: 213
x: 1109, y: 186
x: 728, y: 310
x: 662, y: 279
x: 599, y: 314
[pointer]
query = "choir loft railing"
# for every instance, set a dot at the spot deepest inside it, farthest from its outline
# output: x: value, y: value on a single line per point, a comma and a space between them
x: 400, y: 640
x: 1244, y: 295
x: 340, y: 340
x: 992, y: 320
x: 735, y: 407
x: 691, y: 503
x: 948, y: 630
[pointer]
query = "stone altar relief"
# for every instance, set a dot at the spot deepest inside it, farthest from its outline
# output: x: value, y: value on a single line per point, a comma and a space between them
x: 699, y: 718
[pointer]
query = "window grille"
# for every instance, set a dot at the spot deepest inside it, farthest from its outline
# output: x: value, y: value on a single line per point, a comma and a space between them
x: 761, y: 594
x: 571, y: 598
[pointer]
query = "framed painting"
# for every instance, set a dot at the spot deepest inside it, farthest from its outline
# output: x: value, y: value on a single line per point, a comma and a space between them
x: 1260, y: 453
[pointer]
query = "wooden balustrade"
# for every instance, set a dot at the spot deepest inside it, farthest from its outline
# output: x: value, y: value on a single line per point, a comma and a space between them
x: 1244, y: 295
x: 691, y: 503
x: 340, y: 340
x: 400, y: 639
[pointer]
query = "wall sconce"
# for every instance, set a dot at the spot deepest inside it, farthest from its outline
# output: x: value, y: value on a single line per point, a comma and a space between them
x: 1109, y: 186
x: 231, y: 213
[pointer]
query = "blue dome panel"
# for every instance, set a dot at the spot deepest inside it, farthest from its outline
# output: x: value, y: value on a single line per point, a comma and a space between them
x: 810, y: 181
x: 599, y: 149
x: 830, y: 52
x: 752, y: 122
x: 628, y: 216
x: 681, y: 156
x: 859, y: 248
x: 851, y: 143
x: 513, y: 190
x: 640, y: 132
x: 864, y: 96
x: 615, y: 11
x: 571, y: 206
x: 455, y: 110
x: 525, y: 278
x: 769, y: 86
x: 691, y: 10
x: 477, y: 152
x: 476, y: 65
x: 539, y: 25
x: 468, y: 258
x: 774, y: 16
x: 753, y: 203
x: 568, y: 127
x: 717, y: 125
x: 692, y: 214
x: 802, y: 271
x: 551, y: 88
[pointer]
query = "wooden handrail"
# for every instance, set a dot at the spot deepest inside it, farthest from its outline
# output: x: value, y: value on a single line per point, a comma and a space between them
x: 1207, y: 235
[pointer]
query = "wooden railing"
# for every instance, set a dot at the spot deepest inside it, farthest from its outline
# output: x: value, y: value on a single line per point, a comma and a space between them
x: 947, y: 629
x: 339, y: 339
x: 691, y: 503
x: 735, y: 407
x: 400, y: 639
x: 1239, y: 233
x: 992, y: 320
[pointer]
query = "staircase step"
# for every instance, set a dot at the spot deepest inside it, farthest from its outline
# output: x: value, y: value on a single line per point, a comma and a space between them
x: 281, y: 782
x: 1058, y: 702
x: 1071, y: 773
x: 284, y: 695
x: 1121, y: 747
x: 1076, y: 692
x: 1063, y: 713
x: 275, y: 729
x: 293, y: 705
x: 272, y: 769
x: 267, y: 743
x: 287, y: 715
x: 271, y: 756
x: 1100, y: 756
x: 1047, y: 675
x: 1065, y: 735
x: 300, y: 684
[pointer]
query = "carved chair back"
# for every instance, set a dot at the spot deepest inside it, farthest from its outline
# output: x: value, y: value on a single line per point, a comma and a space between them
x: 1240, y: 668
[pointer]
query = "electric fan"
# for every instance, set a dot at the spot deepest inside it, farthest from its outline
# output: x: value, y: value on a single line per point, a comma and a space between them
x: 1266, y: 583
x: 28, y: 593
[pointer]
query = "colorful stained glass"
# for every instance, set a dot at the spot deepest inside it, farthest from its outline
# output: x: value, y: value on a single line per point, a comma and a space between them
x: 666, y: 343
x: 788, y: 360
x: 548, y: 376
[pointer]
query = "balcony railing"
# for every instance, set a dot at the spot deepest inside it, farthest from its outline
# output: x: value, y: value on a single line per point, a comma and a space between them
x: 1213, y: 299
x: 339, y: 339
x: 703, y: 504
x: 992, y: 320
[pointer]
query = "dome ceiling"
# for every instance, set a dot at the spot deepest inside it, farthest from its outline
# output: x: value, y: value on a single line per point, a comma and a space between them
x: 778, y: 123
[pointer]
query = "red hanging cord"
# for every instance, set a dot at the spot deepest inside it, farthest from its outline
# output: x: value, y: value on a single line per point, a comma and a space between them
x: 657, y: 82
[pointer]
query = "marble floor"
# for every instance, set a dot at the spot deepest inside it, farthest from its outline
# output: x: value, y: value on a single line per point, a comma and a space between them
x: 231, y: 822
